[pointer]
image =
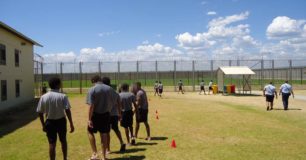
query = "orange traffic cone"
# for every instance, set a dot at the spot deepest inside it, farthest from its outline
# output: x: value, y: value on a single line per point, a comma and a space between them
x: 157, y: 117
x: 173, y: 144
x: 156, y: 112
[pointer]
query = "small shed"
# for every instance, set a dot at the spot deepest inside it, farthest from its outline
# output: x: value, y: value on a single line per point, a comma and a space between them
x: 240, y: 76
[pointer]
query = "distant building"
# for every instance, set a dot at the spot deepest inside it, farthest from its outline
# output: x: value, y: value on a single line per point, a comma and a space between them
x: 16, y: 67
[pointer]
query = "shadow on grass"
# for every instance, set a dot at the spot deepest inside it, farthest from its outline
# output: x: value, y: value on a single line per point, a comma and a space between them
x: 157, y: 138
x: 243, y: 95
x: 281, y: 109
x: 133, y: 150
x: 12, y: 119
x: 145, y: 143
x: 130, y: 158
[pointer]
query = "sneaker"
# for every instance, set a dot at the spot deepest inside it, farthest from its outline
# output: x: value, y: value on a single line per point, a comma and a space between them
x: 133, y: 142
x: 122, y: 148
x: 94, y: 157
x: 148, y: 138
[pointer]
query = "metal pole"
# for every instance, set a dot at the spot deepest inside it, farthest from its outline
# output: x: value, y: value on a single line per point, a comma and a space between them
x: 261, y: 73
x: 156, y: 68
x: 80, y: 76
x: 100, y: 73
x: 137, y: 70
x: 61, y: 74
x: 290, y: 71
x: 273, y: 71
x: 118, y: 72
x: 301, y: 75
x: 211, y: 69
x: 193, y: 76
x: 174, y: 71
x: 42, y: 74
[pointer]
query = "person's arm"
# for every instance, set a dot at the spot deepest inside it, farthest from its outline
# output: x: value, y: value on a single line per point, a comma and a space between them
x: 119, y: 108
x: 264, y: 90
x: 292, y: 93
x: 69, y: 116
x: 90, y: 113
x: 275, y: 94
x: 42, y: 121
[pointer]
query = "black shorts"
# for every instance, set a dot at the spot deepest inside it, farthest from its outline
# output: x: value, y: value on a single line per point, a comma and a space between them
x: 269, y: 98
x: 202, y: 88
x: 54, y: 128
x: 156, y: 90
x: 127, y: 119
x: 114, y: 122
x: 210, y: 88
x: 160, y: 91
x: 180, y: 88
x: 142, y: 115
x: 100, y: 123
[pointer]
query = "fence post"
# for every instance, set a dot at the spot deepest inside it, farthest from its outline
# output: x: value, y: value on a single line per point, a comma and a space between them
x: 61, y: 74
x: 261, y: 73
x: 272, y: 71
x: 193, y: 76
x: 42, y: 75
x: 301, y: 75
x: 156, y: 68
x: 100, y: 72
x: 118, y: 73
x: 137, y: 70
x: 174, y: 76
x: 80, y: 76
x: 211, y: 68
x: 290, y: 71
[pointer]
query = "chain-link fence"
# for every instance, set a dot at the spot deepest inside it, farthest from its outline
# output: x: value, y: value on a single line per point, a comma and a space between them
x: 76, y: 75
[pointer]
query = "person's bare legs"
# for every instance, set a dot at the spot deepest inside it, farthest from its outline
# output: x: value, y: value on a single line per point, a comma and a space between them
x: 92, y: 141
x: 108, y: 144
x: 136, y: 130
x: 64, y: 149
x: 104, y: 144
x: 52, y: 148
x: 127, y: 135
x: 118, y: 134
x: 148, y: 130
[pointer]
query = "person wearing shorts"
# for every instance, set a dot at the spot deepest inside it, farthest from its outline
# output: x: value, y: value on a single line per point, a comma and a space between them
x: 286, y: 91
x: 156, y: 88
x: 99, y: 99
x: 269, y: 92
x: 115, y: 115
x: 56, y: 107
x: 180, y: 85
x: 142, y: 110
x: 160, y: 88
x: 202, y: 87
x: 128, y: 101
x: 210, y: 86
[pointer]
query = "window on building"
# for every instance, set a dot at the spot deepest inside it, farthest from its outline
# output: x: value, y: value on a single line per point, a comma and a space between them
x: 17, y: 57
x: 3, y: 90
x: 2, y: 55
x: 17, y: 88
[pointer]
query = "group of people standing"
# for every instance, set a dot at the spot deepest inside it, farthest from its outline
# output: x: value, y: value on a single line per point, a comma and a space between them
x: 106, y: 109
x: 270, y: 93
x: 158, y: 88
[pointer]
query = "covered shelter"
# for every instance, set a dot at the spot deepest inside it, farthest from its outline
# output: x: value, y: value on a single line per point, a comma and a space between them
x: 240, y: 76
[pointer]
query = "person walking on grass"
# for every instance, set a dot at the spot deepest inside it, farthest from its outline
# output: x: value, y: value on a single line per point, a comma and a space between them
x: 210, y: 88
x: 160, y: 88
x: 156, y: 88
x: 180, y: 85
x: 55, y: 106
x: 115, y: 115
x: 269, y: 92
x: 128, y: 101
x: 202, y: 87
x: 286, y: 90
x: 99, y: 100
x: 142, y: 110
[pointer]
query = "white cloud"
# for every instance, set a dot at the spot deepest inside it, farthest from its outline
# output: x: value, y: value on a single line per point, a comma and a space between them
x: 145, y: 42
x: 285, y: 27
x: 223, y: 21
x: 103, y: 34
x: 211, y: 13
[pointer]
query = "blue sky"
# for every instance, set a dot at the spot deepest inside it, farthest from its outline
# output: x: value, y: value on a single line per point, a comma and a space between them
x: 146, y: 29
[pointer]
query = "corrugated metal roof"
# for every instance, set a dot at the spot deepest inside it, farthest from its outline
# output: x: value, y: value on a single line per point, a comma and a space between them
x: 236, y: 70
x: 12, y: 30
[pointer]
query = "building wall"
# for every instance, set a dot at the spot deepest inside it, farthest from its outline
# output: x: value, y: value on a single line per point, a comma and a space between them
x: 10, y: 73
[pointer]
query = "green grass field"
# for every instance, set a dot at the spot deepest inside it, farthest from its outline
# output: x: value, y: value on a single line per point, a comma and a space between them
x: 204, y: 127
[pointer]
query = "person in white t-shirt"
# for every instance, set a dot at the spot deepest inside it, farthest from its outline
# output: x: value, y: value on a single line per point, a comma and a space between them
x: 286, y: 90
x: 269, y: 92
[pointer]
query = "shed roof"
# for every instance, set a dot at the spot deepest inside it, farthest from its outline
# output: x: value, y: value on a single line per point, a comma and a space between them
x: 15, y: 32
x: 236, y: 70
